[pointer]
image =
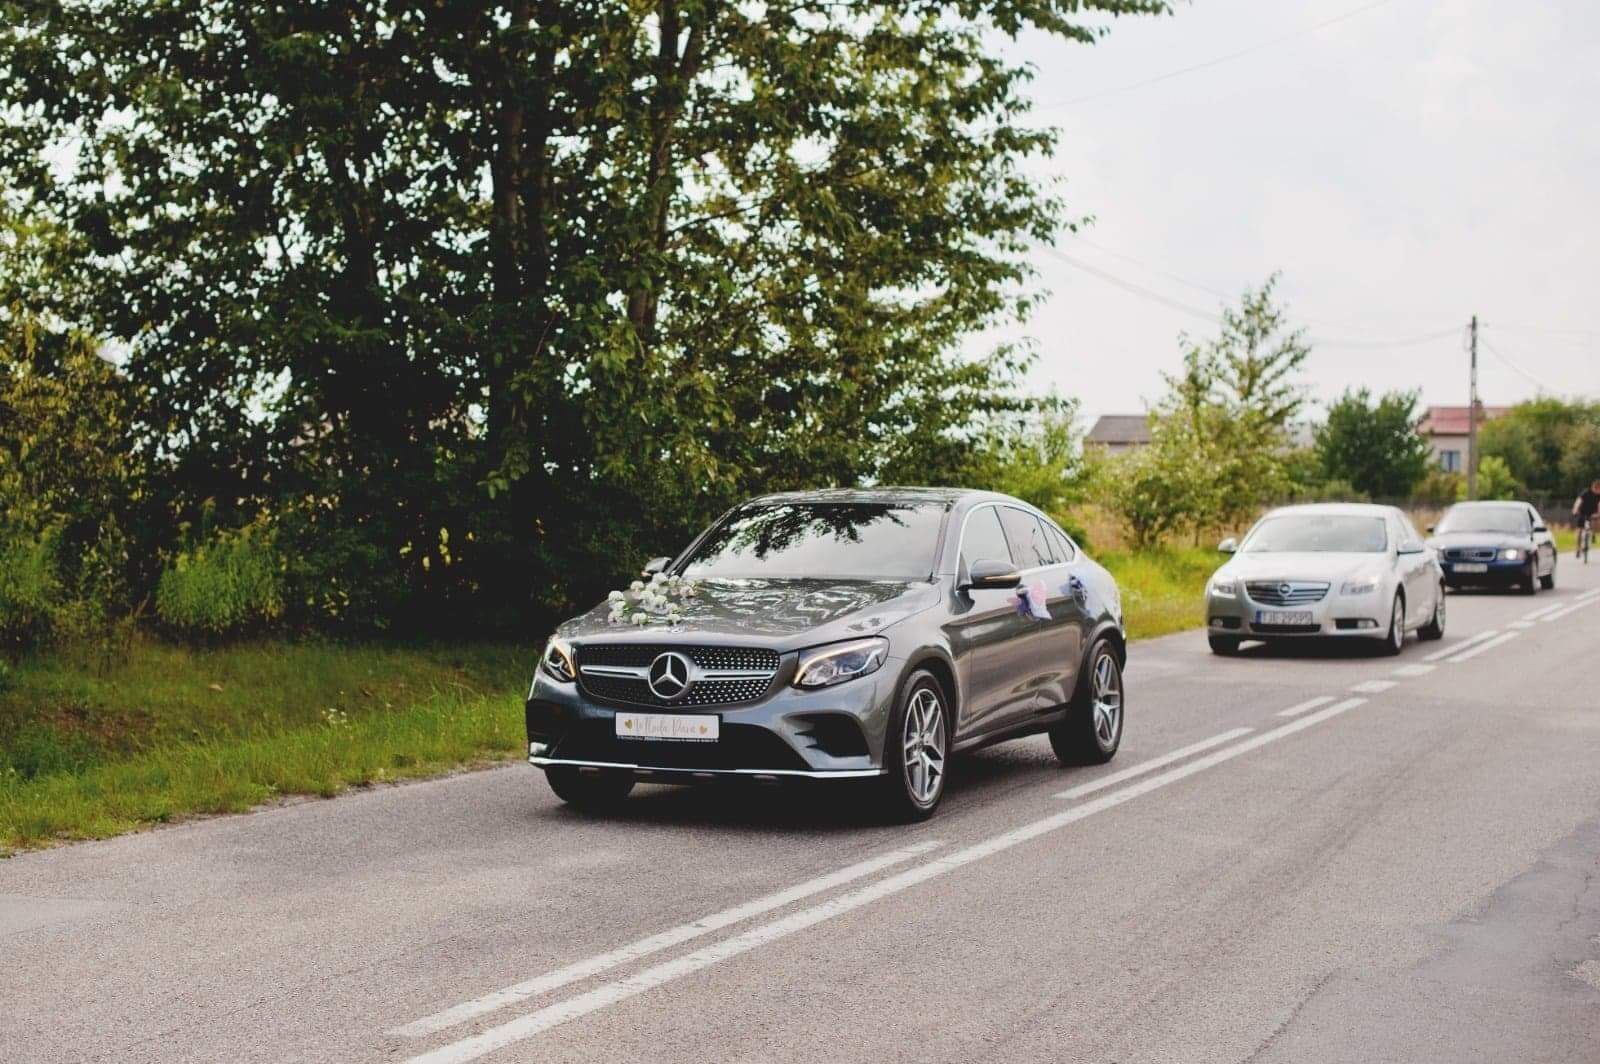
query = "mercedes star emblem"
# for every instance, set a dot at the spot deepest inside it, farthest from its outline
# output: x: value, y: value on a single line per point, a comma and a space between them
x: 669, y: 675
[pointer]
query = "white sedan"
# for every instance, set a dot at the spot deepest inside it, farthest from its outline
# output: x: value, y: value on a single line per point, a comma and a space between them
x: 1328, y: 570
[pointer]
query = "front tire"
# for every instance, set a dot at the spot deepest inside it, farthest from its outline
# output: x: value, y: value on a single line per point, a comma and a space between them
x: 917, y: 751
x: 1434, y: 629
x: 1530, y: 579
x: 1092, y: 730
x: 1223, y: 645
x: 1549, y: 582
x: 1395, y: 641
x: 600, y: 790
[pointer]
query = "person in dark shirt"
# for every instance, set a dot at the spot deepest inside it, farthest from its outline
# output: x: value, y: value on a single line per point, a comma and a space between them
x: 1584, y: 510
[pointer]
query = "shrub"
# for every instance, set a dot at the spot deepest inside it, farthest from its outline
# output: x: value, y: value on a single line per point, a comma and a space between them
x: 228, y: 587
x: 30, y: 592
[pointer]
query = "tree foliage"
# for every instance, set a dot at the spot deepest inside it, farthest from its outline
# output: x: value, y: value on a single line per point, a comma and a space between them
x: 1547, y: 445
x: 549, y: 281
x: 1373, y: 445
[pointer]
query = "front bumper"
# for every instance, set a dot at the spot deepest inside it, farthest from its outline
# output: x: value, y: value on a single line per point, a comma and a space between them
x: 1336, y: 616
x: 834, y: 733
x: 1493, y: 572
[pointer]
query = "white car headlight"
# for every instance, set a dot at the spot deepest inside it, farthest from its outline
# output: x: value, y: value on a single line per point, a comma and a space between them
x: 1511, y: 554
x: 1225, y: 588
x: 557, y: 660
x: 1363, y: 585
x: 838, y: 662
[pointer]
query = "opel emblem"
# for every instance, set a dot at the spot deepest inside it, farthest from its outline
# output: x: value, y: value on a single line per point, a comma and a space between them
x: 669, y: 675
x: 1284, y: 589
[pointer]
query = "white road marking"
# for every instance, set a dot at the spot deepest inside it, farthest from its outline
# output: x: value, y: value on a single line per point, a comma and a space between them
x: 533, y: 1023
x: 572, y: 973
x: 1541, y: 611
x: 1154, y: 763
x: 1373, y: 687
x: 1483, y: 648
x: 1306, y: 706
x: 1578, y: 604
x: 1440, y: 655
x: 1413, y: 671
x: 1522, y: 624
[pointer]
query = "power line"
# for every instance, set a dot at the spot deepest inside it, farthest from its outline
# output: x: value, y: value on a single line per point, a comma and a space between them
x: 1515, y: 368
x: 1219, y: 60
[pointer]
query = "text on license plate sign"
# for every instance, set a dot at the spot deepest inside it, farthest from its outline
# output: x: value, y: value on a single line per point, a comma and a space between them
x: 669, y: 727
x: 1296, y: 617
x: 1470, y: 567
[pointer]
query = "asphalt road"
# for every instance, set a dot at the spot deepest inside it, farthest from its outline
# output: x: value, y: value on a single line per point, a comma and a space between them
x: 1326, y: 857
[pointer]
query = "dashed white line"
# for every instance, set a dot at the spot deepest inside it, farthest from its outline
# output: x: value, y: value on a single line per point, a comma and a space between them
x: 1541, y: 611
x: 1523, y: 624
x: 533, y: 1023
x: 1306, y: 706
x: 1484, y: 647
x: 1574, y: 608
x: 1411, y: 672
x: 1154, y: 763
x: 1440, y: 655
x: 1373, y: 687
x: 583, y: 969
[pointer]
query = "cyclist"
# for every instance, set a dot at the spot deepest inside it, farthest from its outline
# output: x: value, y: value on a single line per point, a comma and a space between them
x: 1584, y: 510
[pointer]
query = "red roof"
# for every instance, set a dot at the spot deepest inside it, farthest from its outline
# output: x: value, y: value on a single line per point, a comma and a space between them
x: 1452, y: 420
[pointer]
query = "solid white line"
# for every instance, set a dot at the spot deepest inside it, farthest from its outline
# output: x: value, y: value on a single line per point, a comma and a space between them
x: 1306, y: 706
x: 1153, y: 764
x: 1413, y: 671
x: 1440, y: 655
x: 1541, y: 611
x: 1483, y: 648
x: 533, y: 1023
x: 1574, y: 608
x: 655, y: 943
x: 1373, y: 687
x: 1524, y: 625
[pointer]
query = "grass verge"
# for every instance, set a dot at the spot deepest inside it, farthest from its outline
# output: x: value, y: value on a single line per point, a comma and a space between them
x: 1163, y: 590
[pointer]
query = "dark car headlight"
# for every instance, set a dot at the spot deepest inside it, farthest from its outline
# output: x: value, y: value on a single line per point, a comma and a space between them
x: 557, y: 661
x: 838, y: 662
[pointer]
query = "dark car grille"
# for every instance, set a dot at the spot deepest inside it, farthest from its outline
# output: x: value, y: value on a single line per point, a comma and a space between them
x: 1471, y: 554
x: 1286, y: 593
x: 740, y: 746
x: 711, y: 691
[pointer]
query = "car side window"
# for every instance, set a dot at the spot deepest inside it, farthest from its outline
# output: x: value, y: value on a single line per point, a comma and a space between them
x: 1065, y: 551
x: 984, y: 539
x: 1028, y: 544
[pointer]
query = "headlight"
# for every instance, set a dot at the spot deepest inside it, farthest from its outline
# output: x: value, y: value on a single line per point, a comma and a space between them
x: 1225, y: 588
x: 1365, y: 585
x: 1511, y: 554
x: 838, y: 662
x: 558, y: 660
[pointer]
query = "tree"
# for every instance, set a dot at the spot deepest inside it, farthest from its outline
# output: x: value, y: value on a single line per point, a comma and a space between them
x: 1495, y: 480
x: 1164, y: 488
x: 1534, y: 440
x: 550, y: 280
x: 1374, y: 445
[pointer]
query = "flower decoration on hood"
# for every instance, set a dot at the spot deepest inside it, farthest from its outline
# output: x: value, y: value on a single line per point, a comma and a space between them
x: 661, y: 599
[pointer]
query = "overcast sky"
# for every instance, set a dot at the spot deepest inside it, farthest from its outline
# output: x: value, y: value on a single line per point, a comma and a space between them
x: 1405, y: 167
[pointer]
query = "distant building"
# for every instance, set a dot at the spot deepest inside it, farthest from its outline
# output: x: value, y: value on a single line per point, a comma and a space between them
x: 1445, y: 429
x: 1120, y: 432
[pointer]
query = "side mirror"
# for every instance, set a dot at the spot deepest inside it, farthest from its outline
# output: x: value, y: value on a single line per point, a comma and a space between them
x: 1540, y: 530
x: 656, y: 565
x: 1412, y: 546
x: 990, y: 573
x: 1229, y: 546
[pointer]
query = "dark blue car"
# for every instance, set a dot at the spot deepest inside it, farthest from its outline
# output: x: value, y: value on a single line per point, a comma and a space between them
x: 1495, y: 544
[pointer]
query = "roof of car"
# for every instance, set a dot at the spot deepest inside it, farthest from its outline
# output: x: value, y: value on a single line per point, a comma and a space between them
x: 1336, y: 509
x: 1476, y: 503
x: 889, y: 494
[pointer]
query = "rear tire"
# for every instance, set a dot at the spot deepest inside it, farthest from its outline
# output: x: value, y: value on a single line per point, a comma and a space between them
x: 1224, y: 645
x: 581, y: 790
x: 1395, y: 641
x: 1549, y: 582
x: 1092, y: 729
x: 917, y: 750
x: 1434, y: 629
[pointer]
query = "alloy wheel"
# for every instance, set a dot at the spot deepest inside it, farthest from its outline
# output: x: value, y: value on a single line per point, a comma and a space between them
x: 1107, y: 700
x: 923, y: 744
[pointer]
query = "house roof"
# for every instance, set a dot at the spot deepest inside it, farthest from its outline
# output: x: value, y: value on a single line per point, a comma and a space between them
x: 1452, y: 420
x: 1120, y: 428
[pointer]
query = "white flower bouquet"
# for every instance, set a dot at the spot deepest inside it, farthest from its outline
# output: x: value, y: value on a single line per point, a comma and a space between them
x: 661, y: 599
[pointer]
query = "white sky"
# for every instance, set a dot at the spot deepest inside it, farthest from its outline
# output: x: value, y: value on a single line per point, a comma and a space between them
x: 1406, y: 167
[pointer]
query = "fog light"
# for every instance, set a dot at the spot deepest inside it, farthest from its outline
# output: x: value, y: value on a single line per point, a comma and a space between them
x: 538, y: 749
x: 1366, y: 622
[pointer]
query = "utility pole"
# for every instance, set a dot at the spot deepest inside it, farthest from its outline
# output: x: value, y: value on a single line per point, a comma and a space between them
x: 1472, y: 414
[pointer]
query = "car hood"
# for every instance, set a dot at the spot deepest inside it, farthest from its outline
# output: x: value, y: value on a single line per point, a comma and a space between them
x: 782, y: 614
x: 1318, y: 565
x: 1446, y: 540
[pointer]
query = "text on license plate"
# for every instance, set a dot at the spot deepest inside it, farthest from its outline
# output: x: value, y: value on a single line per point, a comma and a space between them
x: 672, y: 727
x: 1299, y: 617
x: 1470, y: 567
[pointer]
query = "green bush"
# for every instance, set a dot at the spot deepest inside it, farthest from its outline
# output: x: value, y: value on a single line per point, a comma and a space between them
x: 30, y: 592
x: 228, y: 587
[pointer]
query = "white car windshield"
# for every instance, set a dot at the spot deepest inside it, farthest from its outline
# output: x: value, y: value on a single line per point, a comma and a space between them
x: 1318, y: 534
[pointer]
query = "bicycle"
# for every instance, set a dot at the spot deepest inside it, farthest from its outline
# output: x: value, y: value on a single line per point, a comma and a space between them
x: 1585, y: 538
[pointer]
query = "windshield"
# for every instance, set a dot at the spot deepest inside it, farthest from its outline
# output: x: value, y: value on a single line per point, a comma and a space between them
x: 1508, y: 520
x: 1318, y: 533
x: 821, y: 540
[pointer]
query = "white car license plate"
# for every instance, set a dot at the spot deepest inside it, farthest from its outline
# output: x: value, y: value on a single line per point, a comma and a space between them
x: 1470, y: 567
x: 1294, y: 617
x: 671, y: 727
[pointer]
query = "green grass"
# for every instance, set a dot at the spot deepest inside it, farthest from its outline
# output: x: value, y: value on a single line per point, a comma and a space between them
x: 1163, y: 590
x: 171, y: 732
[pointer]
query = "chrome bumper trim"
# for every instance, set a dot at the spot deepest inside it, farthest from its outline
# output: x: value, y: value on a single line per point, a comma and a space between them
x: 842, y: 774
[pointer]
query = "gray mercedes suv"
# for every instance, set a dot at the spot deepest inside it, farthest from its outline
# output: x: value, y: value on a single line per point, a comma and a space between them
x: 837, y: 635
